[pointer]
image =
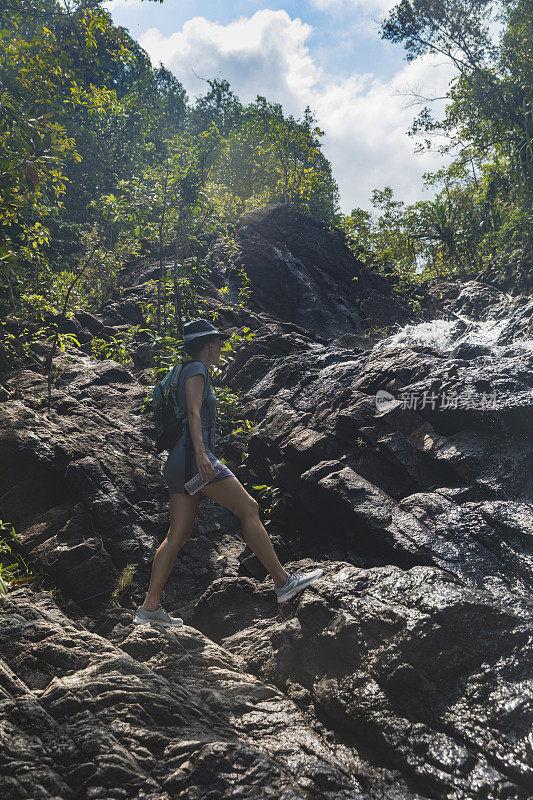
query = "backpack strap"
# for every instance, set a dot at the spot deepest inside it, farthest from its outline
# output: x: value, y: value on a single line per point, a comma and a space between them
x: 175, y: 379
x: 207, y: 386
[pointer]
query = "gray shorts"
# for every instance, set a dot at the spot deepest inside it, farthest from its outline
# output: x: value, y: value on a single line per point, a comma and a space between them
x: 174, y: 469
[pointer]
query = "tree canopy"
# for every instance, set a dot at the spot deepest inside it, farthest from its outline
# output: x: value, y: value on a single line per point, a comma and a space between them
x: 103, y: 154
x: 482, y: 206
x: 98, y: 143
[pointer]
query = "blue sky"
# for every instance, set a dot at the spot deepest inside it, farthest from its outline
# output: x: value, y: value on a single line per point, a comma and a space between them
x: 323, y: 53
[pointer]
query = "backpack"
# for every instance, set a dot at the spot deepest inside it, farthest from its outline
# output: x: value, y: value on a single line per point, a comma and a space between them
x: 169, y: 419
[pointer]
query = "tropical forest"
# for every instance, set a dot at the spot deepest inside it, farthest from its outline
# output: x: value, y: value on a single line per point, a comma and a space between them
x: 344, y: 609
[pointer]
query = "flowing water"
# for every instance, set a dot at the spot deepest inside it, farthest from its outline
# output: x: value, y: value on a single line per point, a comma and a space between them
x: 504, y: 336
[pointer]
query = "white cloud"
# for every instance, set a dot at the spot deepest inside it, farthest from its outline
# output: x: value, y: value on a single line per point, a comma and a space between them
x: 261, y: 54
x: 366, y: 129
x: 364, y: 121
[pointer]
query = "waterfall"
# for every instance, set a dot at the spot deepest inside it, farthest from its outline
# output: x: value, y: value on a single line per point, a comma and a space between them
x: 507, y: 335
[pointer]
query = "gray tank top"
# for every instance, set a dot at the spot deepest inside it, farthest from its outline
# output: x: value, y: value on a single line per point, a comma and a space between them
x: 209, y: 406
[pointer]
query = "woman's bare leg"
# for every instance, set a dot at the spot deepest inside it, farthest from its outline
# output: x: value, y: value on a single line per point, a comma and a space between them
x: 183, y: 509
x: 231, y: 494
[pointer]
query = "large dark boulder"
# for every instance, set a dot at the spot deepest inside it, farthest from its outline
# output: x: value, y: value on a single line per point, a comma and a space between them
x: 302, y: 271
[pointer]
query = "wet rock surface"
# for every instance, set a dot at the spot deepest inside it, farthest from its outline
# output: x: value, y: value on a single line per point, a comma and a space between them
x: 147, y: 713
x: 404, y: 672
x: 441, y: 474
x: 431, y: 677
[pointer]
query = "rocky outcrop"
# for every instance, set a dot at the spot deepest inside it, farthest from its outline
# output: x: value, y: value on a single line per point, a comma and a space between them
x: 82, y: 484
x: 148, y: 714
x: 403, y: 673
x: 422, y: 480
x: 302, y: 271
x: 410, y: 667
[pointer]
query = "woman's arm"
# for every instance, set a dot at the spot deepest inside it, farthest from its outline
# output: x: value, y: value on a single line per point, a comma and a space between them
x: 194, y: 388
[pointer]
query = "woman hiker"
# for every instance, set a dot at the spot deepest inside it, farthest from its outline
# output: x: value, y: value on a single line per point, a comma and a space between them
x: 203, y: 343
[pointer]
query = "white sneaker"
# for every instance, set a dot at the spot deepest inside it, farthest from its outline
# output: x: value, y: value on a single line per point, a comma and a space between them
x: 295, y: 583
x: 158, y: 617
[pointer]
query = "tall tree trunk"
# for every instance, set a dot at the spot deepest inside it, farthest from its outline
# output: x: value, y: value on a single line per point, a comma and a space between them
x: 161, y: 269
x: 178, y: 317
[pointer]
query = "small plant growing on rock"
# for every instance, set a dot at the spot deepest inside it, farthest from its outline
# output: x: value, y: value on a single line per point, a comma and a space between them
x: 269, y: 498
x: 16, y: 348
x: 14, y: 571
x: 377, y: 331
x: 36, y: 307
x: 228, y: 423
x: 119, y: 347
x: 63, y: 339
x: 124, y: 583
x: 9, y: 344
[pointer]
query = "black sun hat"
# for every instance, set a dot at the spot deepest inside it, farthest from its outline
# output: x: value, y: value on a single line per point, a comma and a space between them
x: 201, y: 327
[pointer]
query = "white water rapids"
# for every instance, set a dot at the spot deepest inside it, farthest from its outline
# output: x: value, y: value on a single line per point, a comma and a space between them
x: 503, y: 336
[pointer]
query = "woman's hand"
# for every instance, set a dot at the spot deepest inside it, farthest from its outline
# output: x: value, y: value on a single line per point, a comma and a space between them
x: 205, y: 467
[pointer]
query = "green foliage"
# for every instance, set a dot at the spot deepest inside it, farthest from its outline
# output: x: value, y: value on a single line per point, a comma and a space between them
x: 478, y: 213
x: 15, y: 572
x: 35, y: 148
x: 270, y: 498
x: 228, y: 422
x: 523, y: 152
x: 16, y: 348
x: 104, y: 162
x: 8, y: 565
x: 36, y: 307
x: 266, y: 158
x: 120, y: 346
x: 486, y: 191
x: 233, y: 344
x: 124, y: 584
x: 63, y: 339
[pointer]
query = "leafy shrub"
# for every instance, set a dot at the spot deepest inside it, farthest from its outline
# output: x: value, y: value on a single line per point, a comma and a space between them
x: 14, y: 570
x: 119, y: 347
x: 36, y: 307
